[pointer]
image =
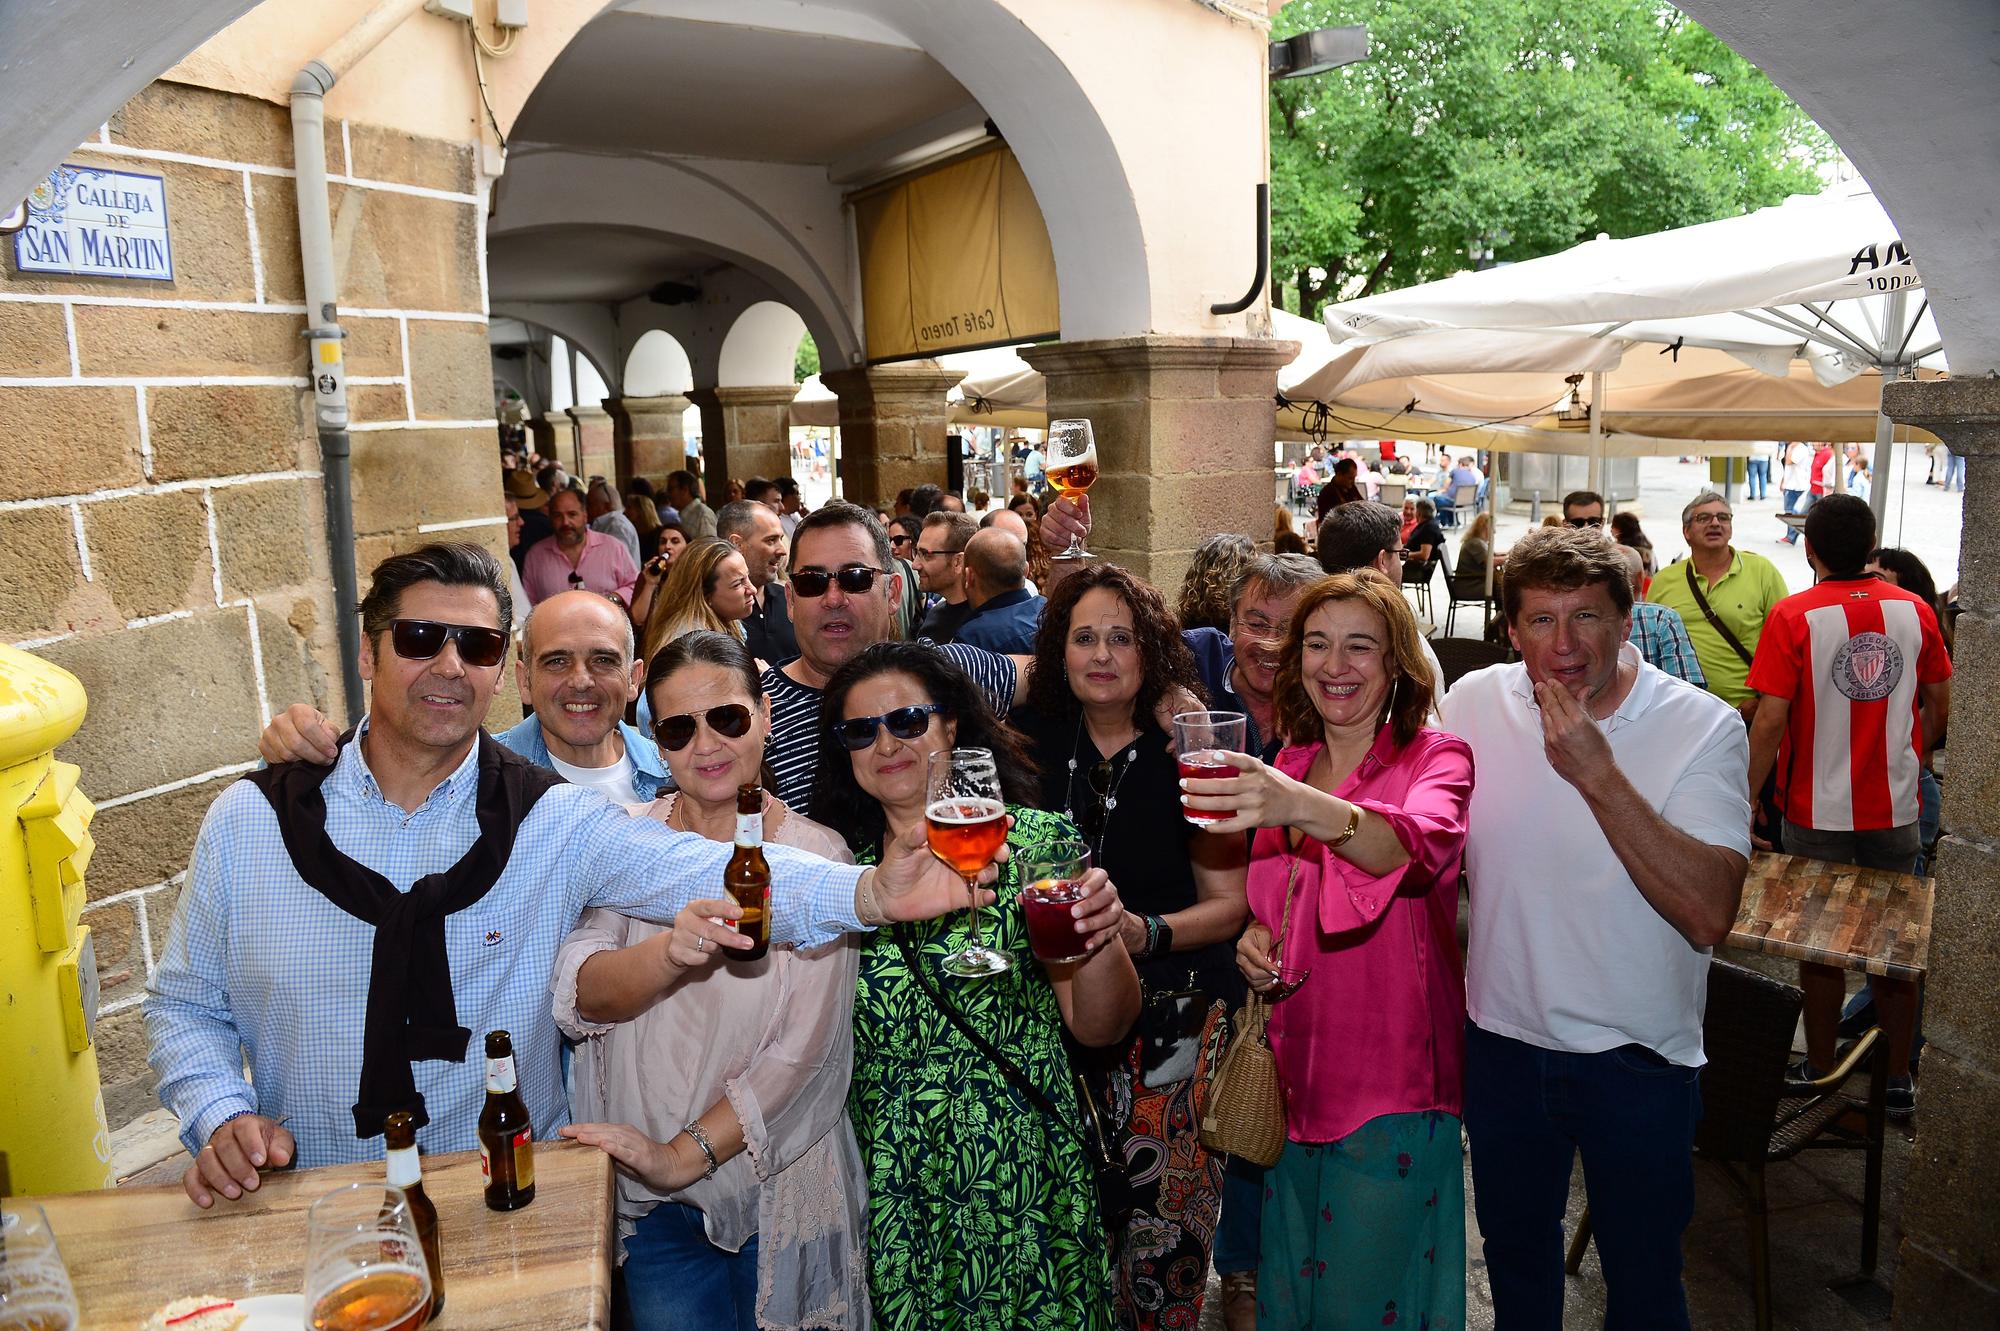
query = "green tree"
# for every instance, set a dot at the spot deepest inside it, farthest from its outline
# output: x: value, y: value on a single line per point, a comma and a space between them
x: 805, y: 361
x: 1519, y: 126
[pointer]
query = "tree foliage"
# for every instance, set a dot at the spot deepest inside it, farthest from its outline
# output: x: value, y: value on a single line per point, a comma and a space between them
x: 805, y: 361
x: 1519, y: 126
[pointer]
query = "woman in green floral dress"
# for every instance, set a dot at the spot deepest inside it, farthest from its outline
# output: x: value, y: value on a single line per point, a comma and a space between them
x: 982, y: 1211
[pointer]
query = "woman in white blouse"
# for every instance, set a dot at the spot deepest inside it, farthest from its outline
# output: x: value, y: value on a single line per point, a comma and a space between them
x: 720, y: 1089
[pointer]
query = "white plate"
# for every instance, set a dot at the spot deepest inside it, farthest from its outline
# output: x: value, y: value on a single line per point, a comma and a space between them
x: 273, y: 1312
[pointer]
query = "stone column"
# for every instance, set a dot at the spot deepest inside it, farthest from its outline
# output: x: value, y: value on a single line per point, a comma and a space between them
x: 647, y: 435
x: 893, y: 420
x: 542, y: 435
x: 560, y: 432
x: 745, y: 432
x: 596, y: 454
x: 1184, y: 429
x: 1948, y: 1273
x: 714, y: 469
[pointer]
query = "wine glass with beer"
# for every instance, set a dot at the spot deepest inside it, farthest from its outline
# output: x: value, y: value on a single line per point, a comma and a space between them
x: 35, y: 1293
x: 1072, y: 470
x: 365, y: 1268
x: 966, y: 821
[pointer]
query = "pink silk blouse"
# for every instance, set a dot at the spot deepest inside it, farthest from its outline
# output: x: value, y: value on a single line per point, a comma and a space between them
x: 1378, y: 1027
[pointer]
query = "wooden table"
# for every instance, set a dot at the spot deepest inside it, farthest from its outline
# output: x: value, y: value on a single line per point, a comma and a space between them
x: 1858, y: 919
x: 547, y: 1266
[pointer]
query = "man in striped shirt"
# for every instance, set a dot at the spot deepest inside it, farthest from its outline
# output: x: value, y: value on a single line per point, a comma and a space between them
x: 1854, y: 687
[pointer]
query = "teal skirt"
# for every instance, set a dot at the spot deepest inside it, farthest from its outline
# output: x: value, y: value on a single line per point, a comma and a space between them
x: 1368, y: 1231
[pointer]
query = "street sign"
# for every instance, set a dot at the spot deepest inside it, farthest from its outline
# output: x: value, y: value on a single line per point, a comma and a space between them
x: 91, y: 222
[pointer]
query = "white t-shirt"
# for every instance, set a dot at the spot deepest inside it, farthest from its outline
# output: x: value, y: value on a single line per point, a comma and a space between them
x: 1566, y: 952
x: 1795, y: 461
x: 615, y: 781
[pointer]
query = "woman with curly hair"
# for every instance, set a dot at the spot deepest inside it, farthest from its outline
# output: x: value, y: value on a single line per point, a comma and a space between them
x: 981, y: 1207
x: 1210, y: 584
x: 1108, y: 650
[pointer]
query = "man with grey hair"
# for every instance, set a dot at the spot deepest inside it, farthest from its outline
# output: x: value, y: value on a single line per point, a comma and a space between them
x: 1005, y: 614
x: 1239, y: 668
x: 1723, y: 596
x: 607, y: 515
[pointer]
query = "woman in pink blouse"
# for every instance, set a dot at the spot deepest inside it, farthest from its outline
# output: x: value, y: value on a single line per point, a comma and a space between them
x: 720, y: 1089
x: 1353, y: 884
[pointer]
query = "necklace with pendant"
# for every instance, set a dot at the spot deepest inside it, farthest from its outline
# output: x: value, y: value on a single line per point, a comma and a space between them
x: 1107, y: 798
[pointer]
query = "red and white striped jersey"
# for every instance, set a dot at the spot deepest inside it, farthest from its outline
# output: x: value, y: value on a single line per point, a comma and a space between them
x: 1850, y: 654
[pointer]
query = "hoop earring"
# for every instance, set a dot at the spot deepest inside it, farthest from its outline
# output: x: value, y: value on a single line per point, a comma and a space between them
x: 1389, y: 710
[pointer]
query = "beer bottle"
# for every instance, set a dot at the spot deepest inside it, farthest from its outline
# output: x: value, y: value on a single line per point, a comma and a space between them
x: 506, y: 1137
x: 747, y: 880
x: 406, y: 1171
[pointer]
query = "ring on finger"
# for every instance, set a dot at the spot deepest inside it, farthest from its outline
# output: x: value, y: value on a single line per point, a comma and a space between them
x: 701, y: 942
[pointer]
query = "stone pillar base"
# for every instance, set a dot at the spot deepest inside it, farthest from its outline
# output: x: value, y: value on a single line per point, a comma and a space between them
x: 893, y: 420
x: 596, y: 454
x: 1948, y: 1272
x: 1184, y: 429
x: 745, y: 432
x: 647, y: 435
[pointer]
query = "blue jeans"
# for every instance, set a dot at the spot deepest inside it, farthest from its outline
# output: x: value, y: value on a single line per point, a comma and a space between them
x: 1239, y: 1237
x: 1796, y: 501
x: 674, y: 1279
x: 1632, y: 1114
x: 1954, y: 470
x: 1758, y: 483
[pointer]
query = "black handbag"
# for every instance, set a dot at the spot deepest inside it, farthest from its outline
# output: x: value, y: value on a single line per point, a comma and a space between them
x: 1115, y: 1196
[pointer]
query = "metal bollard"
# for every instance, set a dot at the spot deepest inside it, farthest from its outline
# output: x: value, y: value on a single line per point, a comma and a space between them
x: 52, y: 1126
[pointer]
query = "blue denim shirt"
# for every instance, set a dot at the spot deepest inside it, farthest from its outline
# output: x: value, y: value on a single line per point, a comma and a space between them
x: 1005, y: 624
x: 649, y: 771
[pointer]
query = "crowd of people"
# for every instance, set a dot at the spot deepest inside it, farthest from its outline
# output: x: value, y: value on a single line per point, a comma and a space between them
x: 842, y: 1135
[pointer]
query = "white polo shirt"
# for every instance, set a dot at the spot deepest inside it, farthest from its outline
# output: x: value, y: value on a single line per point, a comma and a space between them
x: 1566, y: 952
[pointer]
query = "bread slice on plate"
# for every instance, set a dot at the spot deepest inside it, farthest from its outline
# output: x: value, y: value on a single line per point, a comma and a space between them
x: 200, y: 1313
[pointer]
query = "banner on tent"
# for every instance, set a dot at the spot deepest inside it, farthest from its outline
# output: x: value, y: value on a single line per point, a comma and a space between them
x: 954, y: 258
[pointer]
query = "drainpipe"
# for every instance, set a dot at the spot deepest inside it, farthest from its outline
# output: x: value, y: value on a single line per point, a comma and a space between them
x: 324, y: 334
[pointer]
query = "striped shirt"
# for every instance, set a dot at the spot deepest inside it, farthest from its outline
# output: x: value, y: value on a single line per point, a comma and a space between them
x: 1850, y: 654
x: 260, y: 967
x: 793, y: 749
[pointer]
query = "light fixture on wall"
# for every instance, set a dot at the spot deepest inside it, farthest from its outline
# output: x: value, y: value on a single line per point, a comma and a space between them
x: 1318, y: 51
x: 1574, y: 413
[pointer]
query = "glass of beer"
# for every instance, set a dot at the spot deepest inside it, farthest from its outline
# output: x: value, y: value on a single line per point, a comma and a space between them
x: 35, y: 1293
x: 1200, y: 740
x: 966, y: 820
x: 365, y: 1268
x: 1050, y: 874
x: 1072, y: 470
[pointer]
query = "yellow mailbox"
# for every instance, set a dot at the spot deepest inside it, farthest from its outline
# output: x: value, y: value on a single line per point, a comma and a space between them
x: 51, y: 1108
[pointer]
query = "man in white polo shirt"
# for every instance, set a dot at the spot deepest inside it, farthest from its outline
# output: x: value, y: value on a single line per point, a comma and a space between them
x: 1607, y: 842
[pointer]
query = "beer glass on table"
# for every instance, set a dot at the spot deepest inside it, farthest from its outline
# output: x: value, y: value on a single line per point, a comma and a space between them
x: 365, y: 1267
x: 35, y: 1293
x: 966, y: 821
x: 1072, y: 470
x: 1200, y: 740
x: 1050, y: 888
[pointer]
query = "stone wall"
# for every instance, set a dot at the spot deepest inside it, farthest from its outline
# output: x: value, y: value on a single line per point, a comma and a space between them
x: 161, y: 518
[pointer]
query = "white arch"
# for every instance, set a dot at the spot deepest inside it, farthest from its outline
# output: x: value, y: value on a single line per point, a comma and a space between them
x: 761, y: 346
x: 657, y: 366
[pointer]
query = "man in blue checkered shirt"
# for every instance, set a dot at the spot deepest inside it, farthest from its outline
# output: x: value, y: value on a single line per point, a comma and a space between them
x: 1662, y: 638
x: 262, y: 967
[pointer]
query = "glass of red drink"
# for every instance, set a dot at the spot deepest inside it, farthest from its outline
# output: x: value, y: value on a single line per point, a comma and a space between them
x: 1200, y: 740
x: 1050, y: 875
x: 965, y: 819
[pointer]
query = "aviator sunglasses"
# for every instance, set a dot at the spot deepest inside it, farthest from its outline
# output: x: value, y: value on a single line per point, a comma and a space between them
x: 855, y: 579
x: 730, y: 720
x: 421, y: 639
x: 858, y: 732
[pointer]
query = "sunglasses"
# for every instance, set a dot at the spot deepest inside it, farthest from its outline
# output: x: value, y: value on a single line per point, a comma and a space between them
x: 1584, y: 522
x: 421, y: 639
x: 731, y: 721
x: 855, y: 579
x: 858, y: 732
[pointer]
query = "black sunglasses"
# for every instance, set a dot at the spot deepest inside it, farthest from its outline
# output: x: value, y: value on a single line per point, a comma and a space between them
x: 855, y: 579
x: 575, y: 578
x: 421, y: 639
x: 731, y: 721
x: 1584, y: 522
x: 858, y: 733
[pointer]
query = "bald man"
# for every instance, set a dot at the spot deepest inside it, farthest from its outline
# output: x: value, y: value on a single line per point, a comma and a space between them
x: 1007, y: 520
x: 1005, y: 614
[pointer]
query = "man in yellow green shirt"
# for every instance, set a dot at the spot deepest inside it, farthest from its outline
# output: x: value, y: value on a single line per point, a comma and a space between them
x: 1740, y: 589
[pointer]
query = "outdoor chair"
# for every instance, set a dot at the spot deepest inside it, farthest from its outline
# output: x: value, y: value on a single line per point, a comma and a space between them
x: 1392, y: 492
x: 1749, y: 1120
x: 1459, y: 657
x: 1417, y: 577
x: 1468, y: 590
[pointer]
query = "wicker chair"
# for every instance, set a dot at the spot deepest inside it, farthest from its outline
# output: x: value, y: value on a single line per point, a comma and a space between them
x: 1748, y: 1120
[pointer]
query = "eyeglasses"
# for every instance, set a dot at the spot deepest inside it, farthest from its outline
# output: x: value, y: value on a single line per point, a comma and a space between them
x: 421, y: 639
x: 1585, y: 522
x: 731, y: 721
x: 857, y: 733
x: 937, y: 554
x: 1711, y: 519
x: 855, y: 579
x: 575, y: 579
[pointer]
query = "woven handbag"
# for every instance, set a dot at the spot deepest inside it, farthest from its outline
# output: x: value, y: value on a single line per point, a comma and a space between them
x: 1245, y: 1116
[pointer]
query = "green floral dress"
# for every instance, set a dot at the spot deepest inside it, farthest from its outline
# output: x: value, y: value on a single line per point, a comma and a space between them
x: 982, y: 1213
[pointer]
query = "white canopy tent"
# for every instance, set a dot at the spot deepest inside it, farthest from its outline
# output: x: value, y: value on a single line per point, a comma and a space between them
x: 1820, y: 278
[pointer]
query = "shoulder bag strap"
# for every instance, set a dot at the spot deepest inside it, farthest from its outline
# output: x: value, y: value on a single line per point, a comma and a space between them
x: 1006, y: 1067
x: 1714, y: 621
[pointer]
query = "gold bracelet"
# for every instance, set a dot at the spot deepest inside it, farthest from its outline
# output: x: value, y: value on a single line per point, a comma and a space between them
x: 1347, y: 833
